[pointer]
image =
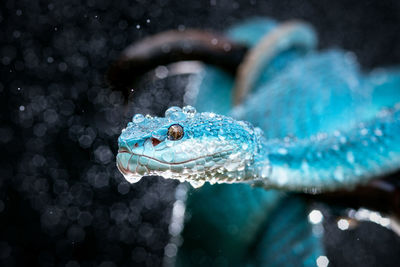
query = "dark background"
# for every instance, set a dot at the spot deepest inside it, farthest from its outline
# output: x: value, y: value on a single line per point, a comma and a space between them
x: 62, y: 200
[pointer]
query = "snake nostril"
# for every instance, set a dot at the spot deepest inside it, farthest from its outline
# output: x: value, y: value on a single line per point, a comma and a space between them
x: 155, y: 141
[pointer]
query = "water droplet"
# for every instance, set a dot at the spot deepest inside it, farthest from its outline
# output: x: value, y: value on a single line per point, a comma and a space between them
x: 148, y: 116
x: 175, y: 114
x: 178, y: 116
x: 211, y: 148
x: 196, y: 184
x: 133, y: 178
x: 138, y: 118
x: 189, y: 110
x: 211, y: 115
x: 171, y: 110
x: 231, y: 166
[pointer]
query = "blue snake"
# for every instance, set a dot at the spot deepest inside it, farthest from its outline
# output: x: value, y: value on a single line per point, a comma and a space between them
x: 294, y: 120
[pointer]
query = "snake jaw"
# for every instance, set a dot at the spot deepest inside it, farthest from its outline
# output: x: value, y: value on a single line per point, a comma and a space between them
x: 194, y: 170
x: 191, y: 160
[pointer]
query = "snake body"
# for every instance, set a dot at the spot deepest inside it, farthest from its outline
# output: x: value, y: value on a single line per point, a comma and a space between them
x: 308, y: 121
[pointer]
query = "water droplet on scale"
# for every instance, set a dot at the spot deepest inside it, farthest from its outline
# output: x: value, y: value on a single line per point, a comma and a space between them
x: 175, y: 114
x: 138, y: 118
x: 189, y: 110
x: 196, y: 184
x: 171, y: 110
x: 133, y: 178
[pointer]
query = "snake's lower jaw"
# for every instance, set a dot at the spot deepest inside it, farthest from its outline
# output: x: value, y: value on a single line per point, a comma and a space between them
x: 196, y: 172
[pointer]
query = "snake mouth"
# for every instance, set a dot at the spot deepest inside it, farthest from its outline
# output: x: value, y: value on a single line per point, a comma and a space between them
x: 213, y: 155
x: 211, y: 167
x: 133, y: 165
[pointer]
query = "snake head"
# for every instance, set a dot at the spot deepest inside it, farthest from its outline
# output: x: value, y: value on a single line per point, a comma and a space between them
x: 188, y: 146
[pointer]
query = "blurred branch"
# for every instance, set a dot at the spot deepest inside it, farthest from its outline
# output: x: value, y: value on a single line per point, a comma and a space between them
x: 173, y: 46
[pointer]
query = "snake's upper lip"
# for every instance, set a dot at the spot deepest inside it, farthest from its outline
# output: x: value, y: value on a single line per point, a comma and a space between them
x: 125, y: 150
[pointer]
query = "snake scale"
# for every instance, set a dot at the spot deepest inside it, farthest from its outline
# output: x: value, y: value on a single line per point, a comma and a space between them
x: 294, y: 120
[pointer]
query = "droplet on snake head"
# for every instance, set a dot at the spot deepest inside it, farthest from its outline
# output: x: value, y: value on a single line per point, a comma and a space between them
x: 189, y: 111
x: 133, y: 178
x: 138, y: 118
x: 209, y: 114
x: 211, y: 148
x: 148, y: 117
x: 231, y: 166
x: 171, y: 110
x: 178, y: 116
x: 175, y: 114
x: 196, y: 184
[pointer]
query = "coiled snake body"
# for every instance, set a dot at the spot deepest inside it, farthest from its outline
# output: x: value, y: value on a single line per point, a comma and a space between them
x: 303, y: 121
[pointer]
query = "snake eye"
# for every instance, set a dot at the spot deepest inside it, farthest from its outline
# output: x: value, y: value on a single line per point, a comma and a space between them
x: 175, y: 132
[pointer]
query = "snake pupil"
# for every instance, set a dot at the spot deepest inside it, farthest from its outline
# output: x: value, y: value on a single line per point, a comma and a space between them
x: 175, y: 132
